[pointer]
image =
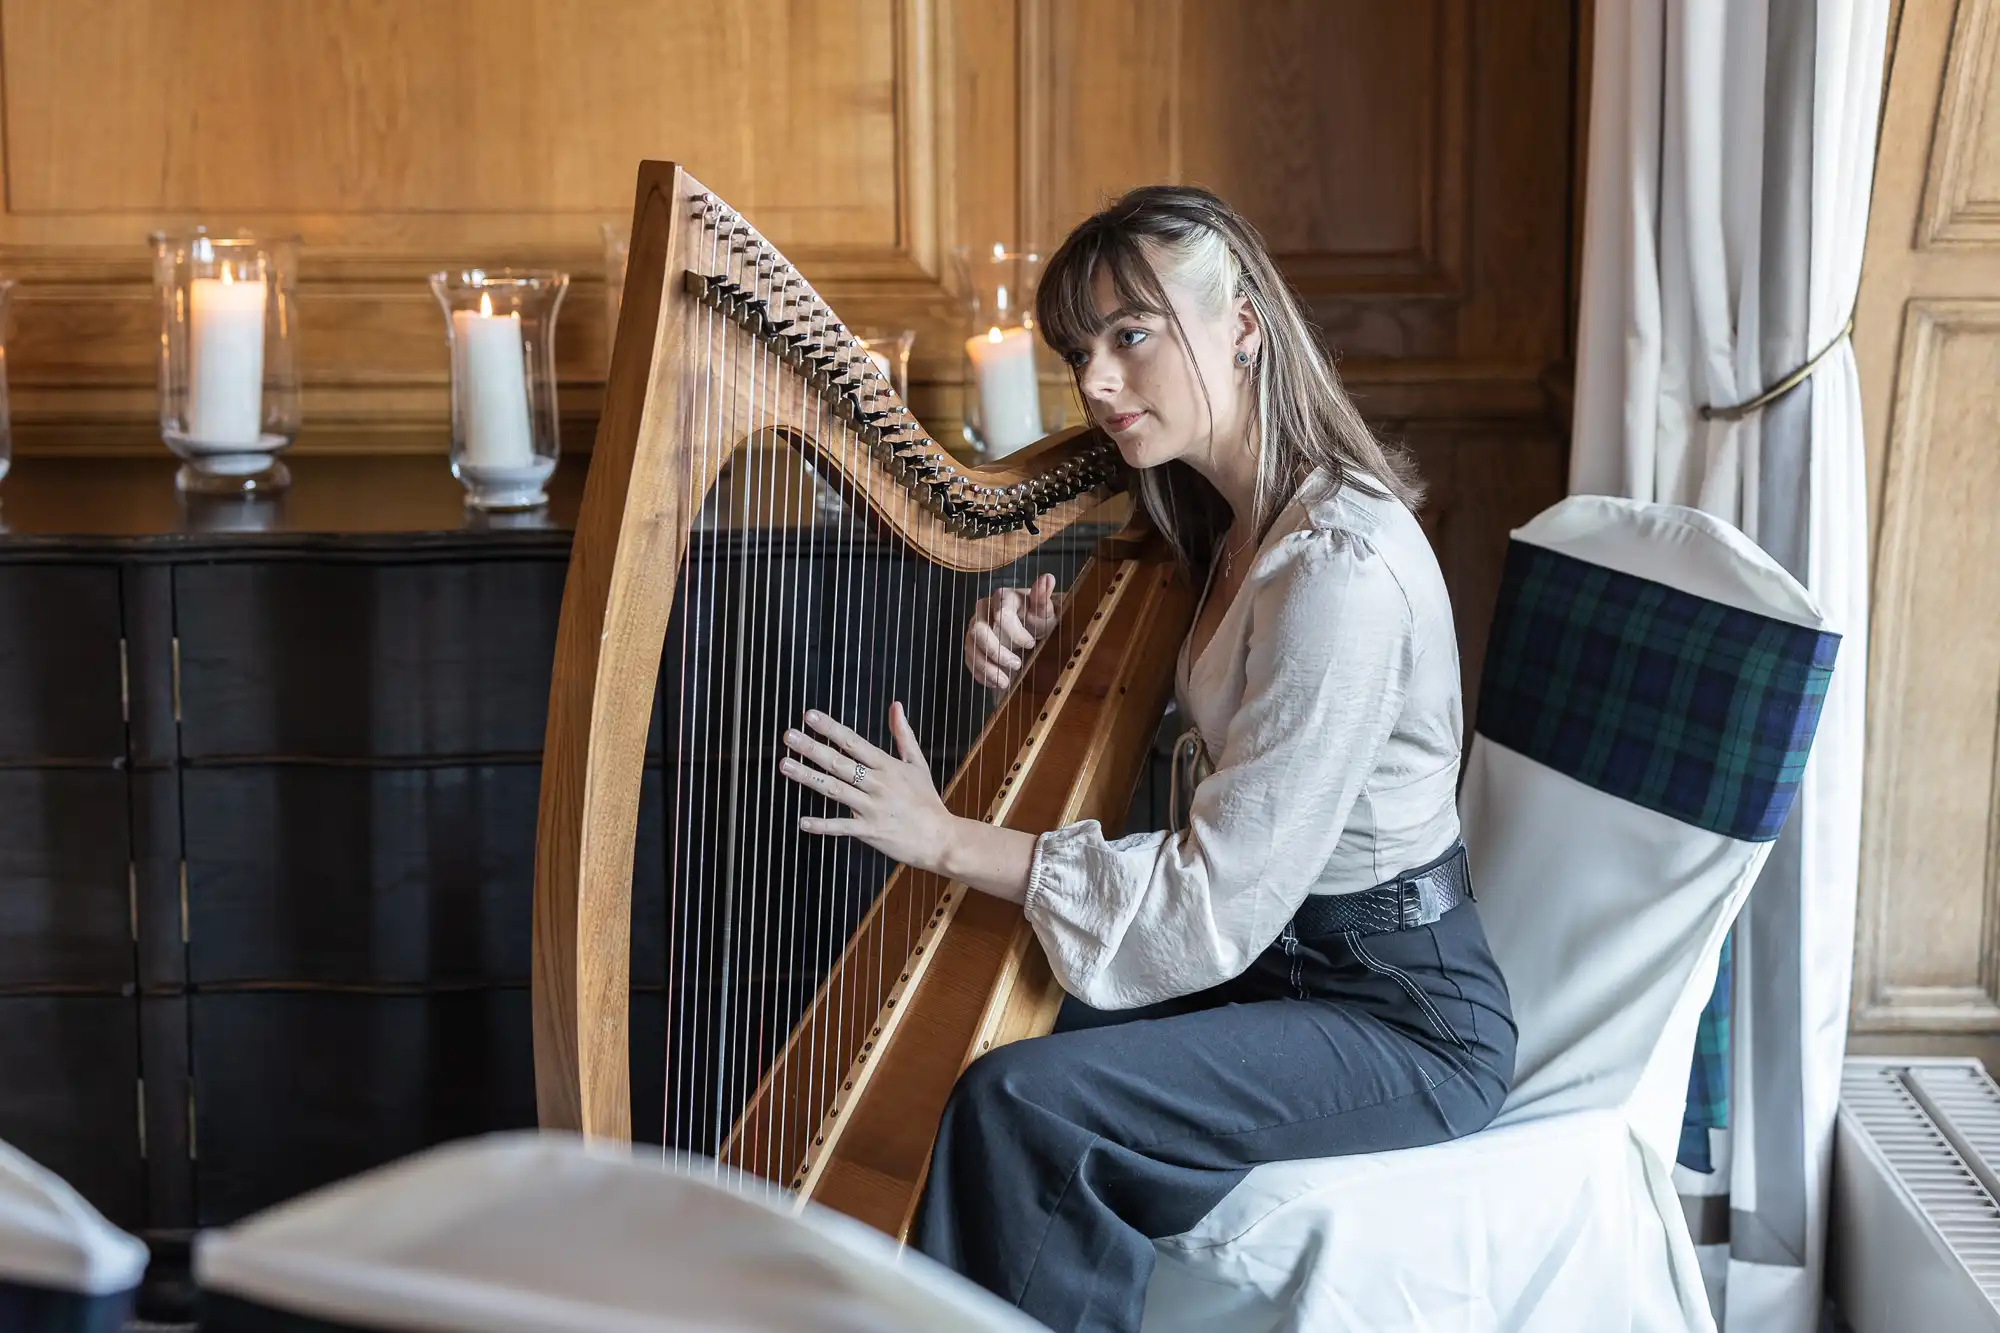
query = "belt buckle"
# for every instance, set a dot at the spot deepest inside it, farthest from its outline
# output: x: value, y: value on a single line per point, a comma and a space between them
x: 1410, y: 902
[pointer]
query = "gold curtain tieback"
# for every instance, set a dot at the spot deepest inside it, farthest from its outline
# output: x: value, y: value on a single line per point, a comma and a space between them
x: 1709, y: 412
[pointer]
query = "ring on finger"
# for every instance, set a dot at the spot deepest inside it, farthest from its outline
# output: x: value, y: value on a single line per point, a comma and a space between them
x: 860, y: 774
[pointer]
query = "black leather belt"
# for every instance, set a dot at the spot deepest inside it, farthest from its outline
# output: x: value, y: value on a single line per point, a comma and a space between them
x: 1414, y: 898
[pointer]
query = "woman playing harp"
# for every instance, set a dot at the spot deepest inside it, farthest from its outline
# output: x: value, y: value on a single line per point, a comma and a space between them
x: 1295, y: 970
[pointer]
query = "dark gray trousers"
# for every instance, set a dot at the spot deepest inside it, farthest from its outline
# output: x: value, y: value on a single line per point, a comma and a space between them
x: 1060, y: 1159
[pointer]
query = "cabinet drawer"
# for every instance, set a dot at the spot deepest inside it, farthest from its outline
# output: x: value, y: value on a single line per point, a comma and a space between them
x: 61, y: 695
x: 295, y: 1090
x: 323, y: 874
x: 65, y: 883
x: 69, y: 1094
x: 359, y: 660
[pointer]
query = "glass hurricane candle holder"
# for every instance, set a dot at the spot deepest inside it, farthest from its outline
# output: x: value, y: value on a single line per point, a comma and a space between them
x: 229, y: 379
x: 501, y: 326
x: 617, y: 249
x: 1003, y: 396
x: 889, y: 349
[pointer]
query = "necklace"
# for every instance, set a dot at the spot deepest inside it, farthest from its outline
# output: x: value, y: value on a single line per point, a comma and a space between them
x: 1229, y: 554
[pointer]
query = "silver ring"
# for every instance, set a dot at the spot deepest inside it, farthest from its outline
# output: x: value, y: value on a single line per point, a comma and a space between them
x: 860, y: 774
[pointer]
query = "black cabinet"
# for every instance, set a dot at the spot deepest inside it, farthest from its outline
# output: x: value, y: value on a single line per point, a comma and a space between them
x: 267, y: 822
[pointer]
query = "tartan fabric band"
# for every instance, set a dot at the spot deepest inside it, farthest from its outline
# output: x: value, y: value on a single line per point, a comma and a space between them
x: 1697, y: 710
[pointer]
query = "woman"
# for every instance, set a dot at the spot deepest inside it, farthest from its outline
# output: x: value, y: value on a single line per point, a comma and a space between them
x: 1295, y: 972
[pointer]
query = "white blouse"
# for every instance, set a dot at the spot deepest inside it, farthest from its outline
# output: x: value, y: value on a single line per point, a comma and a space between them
x: 1328, y: 699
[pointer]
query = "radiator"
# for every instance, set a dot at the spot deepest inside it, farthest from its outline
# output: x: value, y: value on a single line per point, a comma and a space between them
x: 1915, y: 1242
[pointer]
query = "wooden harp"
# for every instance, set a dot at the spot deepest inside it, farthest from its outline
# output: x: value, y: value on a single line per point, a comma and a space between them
x: 811, y: 1036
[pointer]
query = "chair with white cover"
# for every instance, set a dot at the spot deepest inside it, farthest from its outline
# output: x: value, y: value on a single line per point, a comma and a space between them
x: 1650, y: 691
x: 537, y: 1233
x: 63, y: 1268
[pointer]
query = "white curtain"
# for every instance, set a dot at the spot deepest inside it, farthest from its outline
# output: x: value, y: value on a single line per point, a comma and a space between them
x: 1730, y: 160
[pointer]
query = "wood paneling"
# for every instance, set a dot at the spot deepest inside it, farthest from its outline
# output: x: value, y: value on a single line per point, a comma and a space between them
x: 394, y: 127
x: 1408, y: 164
x: 1411, y: 163
x: 1962, y: 197
x: 1936, y: 753
x: 1261, y: 103
x: 1927, y: 339
x: 396, y: 139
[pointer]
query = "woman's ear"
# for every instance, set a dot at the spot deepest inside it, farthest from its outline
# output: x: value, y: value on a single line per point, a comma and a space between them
x: 1249, y: 334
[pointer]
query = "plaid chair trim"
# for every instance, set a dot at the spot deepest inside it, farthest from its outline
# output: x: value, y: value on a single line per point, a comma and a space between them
x: 1708, y: 1074
x: 1700, y: 711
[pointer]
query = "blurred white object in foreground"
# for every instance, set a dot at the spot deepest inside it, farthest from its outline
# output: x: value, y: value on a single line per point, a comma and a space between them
x: 537, y: 1233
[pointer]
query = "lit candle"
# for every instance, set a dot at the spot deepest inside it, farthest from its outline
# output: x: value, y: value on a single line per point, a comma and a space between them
x: 1010, y: 402
x: 492, y: 387
x: 225, y: 360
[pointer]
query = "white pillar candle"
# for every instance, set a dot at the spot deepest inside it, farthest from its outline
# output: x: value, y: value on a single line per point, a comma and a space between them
x: 492, y: 386
x: 1010, y: 401
x: 225, y: 360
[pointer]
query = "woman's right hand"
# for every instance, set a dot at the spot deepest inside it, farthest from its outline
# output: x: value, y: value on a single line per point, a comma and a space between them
x: 1005, y: 628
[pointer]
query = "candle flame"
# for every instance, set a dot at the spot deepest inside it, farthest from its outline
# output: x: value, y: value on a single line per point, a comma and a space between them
x: 993, y: 334
x: 226, y: 276
x: 485, y: 306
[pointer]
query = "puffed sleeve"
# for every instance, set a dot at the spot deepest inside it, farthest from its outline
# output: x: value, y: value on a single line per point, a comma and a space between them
x: 1154, y: 916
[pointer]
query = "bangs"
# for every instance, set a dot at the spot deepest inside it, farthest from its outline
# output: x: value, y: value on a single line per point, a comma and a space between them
x: 1066, y: 303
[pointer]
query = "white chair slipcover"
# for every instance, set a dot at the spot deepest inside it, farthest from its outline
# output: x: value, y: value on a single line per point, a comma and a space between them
x: 1650, y: 690
x: 62, y: 1266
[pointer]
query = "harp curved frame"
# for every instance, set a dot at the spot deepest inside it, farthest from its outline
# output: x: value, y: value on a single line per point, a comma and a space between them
x: 641, y: 500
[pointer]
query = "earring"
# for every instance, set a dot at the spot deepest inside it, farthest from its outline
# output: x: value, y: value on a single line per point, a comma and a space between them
x: 1242, y: 357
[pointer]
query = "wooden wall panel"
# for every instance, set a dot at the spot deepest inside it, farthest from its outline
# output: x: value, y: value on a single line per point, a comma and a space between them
x: 1936, y: 751
x: 397, y: 139
x: 1261, y: 104
x: 1962, y: 196
x: 1409, y: 164
x: 1412, y: 164
x: 346, y: 112
x: 1294, y: 80
x: 1927, y: 341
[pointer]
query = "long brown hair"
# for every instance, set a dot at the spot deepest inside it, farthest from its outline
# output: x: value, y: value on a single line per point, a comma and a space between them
x: 1306, y: 426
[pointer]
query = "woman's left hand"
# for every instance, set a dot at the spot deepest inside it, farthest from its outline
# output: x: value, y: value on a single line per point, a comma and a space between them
x: 893, y: 803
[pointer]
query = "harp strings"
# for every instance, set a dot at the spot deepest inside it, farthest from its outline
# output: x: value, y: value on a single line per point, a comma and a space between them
x: 756, y: 550
x: 822, y: 854
x: 711, y: 1029
x: 687, y: 996
x: 799, y: 625
x: 786, y: 604
x: 849, y: 864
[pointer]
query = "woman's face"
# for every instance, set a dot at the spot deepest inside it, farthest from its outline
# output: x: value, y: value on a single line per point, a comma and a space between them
x: 1141, y: 386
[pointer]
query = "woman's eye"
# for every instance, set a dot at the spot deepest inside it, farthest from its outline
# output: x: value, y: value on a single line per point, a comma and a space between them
x: 1075, y: 358
x: 1132, y: 337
